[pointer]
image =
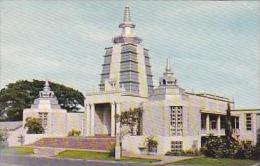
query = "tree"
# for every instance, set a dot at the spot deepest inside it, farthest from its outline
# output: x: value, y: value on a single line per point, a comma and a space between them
x: 21, y: 94
x: 34, y: 125
x: 130, y: 121
x: 228, y: 130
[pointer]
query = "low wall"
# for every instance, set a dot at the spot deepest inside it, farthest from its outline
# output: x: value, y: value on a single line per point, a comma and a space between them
x: 14, y: 137
x: 136, y: 144
x: 74, y: 121
x: 31, y: 138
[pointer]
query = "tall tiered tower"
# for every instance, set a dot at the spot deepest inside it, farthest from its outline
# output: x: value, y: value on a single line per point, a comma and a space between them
x: 127, y: 62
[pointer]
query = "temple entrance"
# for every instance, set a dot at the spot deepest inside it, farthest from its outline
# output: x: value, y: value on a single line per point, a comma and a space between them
x: 102, y: 118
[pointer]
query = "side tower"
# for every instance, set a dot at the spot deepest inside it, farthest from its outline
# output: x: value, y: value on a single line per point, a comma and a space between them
x: 127, y: 62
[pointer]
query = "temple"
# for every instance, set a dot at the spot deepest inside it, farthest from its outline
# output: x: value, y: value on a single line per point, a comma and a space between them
x: 176, y: 118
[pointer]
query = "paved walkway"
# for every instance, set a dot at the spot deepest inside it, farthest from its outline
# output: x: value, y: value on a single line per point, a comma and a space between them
x: 164, y: 159
x: 51, y: 161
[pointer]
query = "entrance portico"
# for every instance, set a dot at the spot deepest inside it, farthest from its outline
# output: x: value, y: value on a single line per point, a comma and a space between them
x: 101, y: 120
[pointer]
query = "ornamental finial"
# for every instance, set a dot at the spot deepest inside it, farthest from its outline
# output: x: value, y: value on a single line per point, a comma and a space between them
x: 127, y: 17
x: 168, y: 66
x: 127, y: 34
x: 46, y: 83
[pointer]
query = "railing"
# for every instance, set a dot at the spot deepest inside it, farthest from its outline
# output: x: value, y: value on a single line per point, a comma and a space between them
x: 213, y: 132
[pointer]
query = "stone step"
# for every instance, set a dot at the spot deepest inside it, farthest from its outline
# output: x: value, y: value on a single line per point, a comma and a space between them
x: 92, y: 143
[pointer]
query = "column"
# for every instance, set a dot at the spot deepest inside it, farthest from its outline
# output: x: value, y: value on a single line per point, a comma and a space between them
x: 92, y: 120
x: 207, y: 123
x: 118, y: 112
x: 118, y: 147
x: 218, y: 124
x: 113, y: 105
x: 235, y: 125
x: 87, y: 121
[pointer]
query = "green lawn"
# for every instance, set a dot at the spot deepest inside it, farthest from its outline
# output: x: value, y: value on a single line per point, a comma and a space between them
x: 21, y: 150
x: 87, y: 155
x: 214, y: 162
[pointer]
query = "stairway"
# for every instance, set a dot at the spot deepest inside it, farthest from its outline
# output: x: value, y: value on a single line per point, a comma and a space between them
x: 91, y: 143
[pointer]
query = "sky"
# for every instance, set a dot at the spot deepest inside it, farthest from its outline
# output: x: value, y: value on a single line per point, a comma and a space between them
x: 213, y: 45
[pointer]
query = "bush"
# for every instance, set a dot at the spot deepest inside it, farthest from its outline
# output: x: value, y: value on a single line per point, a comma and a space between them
x: 256, y: 155
x: 226, y: 147
x: 245, y: 151
x: 34, y: 125
x: 151, y: 144
x: 220, y: 147
x: 184, y: 153
x: 74, y: 133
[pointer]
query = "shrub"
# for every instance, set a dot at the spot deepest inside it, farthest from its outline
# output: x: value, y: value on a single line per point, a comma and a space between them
x: 227, y: 147
x: 220, y: 147
x: 74, y: 133
x: 34, y: 126
x: 183, y: 153
x: 256, y: 155
x: 151, y: 144
x: 245, y: 151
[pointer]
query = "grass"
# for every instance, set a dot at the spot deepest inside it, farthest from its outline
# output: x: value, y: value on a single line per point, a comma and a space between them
x: 88, y: 155
x: 21, y: 150
x: 215, y: 162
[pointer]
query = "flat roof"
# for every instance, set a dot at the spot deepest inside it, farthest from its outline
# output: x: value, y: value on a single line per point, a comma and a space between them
x: 247, y: 109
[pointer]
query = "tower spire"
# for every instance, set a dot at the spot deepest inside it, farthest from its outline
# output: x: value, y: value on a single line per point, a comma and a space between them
x: 127, y: 25
x: 127, y: 17
x: 168, y: 66
x: 168, y: 76
x: 127, y: 34
x: 168, y: 70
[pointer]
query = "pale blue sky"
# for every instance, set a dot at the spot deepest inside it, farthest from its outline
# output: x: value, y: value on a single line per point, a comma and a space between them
x: 213, y: 46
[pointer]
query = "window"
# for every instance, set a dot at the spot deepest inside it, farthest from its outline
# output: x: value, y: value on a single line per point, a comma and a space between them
x: 248, y: 122
x: 44, y: 119
x: 107, y: 59
x: 148, y: 70
x: 128, y: 48
x: 129, y: 57
x: 164, y: 82
x: 125, y: 66
x: 106, y: 69
x: 222, y: 122
x: 213, y: 124
x: 176, y: 146
x: 203, y: 121
x: 237, y: 122
x: 104, y: 77
x: 109, y: 51
x: 176, y: 121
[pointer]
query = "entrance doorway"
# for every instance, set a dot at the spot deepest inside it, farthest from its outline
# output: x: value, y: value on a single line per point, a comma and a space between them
x: 102, y: 120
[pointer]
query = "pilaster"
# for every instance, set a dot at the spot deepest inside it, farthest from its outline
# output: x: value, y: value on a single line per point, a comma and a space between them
x: 207, y: 123
x: 113, y: 109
